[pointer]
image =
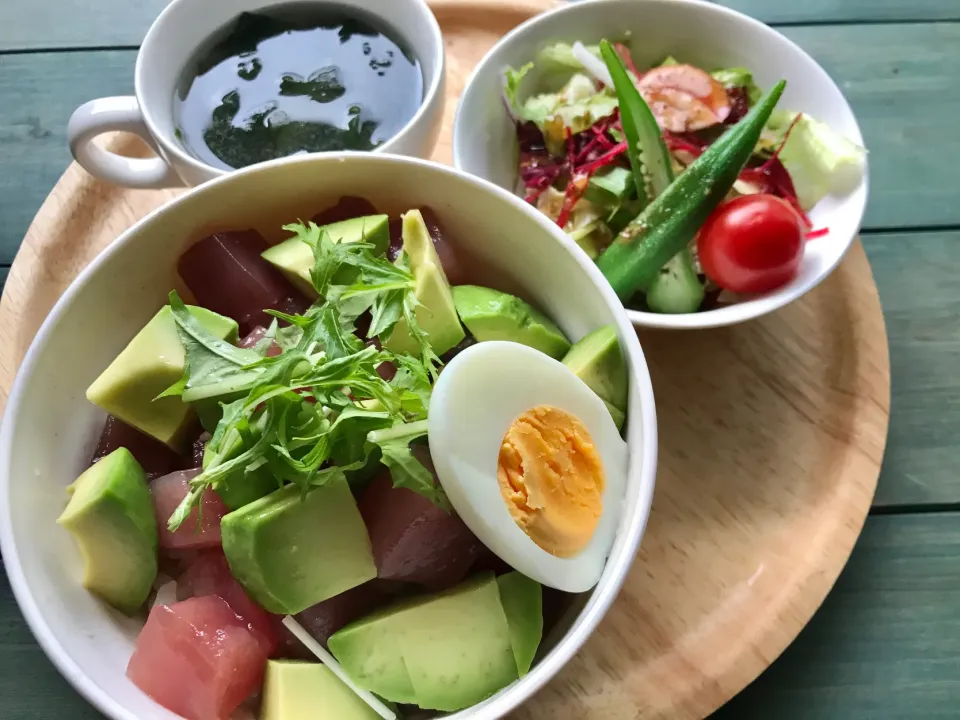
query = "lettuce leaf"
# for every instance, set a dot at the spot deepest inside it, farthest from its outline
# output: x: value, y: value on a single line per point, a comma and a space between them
x: 511, y: 86
x: 560, y: 55
x: 739, y: 77
x: 576, y: 107
x: 820, y: 160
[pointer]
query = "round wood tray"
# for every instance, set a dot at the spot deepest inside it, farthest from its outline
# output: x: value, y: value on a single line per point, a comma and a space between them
x: 771, y: 435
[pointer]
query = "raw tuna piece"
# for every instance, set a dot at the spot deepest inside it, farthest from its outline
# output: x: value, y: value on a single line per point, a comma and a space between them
x: 154, y: 457
x: 226, y: 274
x: 197, y: 658
x: 413, y: 539
x: 173, y: 563
x: 255, y: 336
x: 386, y: 370
x: 347, y: 207
x: 210, y: 574
x: 324, y: 619
x: 396, y: 238
x: 168, y: 492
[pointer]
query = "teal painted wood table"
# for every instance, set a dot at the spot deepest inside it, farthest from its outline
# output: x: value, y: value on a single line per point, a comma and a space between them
x: 886, y: 642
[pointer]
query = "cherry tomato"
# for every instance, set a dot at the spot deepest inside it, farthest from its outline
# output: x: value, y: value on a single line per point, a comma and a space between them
x: 752, y: 244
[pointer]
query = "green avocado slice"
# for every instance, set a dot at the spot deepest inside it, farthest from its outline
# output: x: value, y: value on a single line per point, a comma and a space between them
x: 493, y: 315
x: 295, y: 690
x: 291, y: 552
x: 294, y: 258
x: 148, y: 365
x: 446, y: 651
x: 597, y: 359
x: 436, y: 313
x: 111, y: 518
x: 522, y: 600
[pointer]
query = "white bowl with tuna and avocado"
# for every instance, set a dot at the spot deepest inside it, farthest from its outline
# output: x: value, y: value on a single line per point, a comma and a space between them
x: 386, y: 462
x: 710, y: 167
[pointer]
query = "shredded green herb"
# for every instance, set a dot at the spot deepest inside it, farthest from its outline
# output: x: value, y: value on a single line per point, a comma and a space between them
x: 319, y: 409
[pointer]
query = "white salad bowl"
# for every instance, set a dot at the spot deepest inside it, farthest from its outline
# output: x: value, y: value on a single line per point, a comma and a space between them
x: 49, y: 428
x: 697, y: 32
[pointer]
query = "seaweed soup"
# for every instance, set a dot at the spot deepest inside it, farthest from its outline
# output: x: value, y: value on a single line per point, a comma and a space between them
x: 296, y: 78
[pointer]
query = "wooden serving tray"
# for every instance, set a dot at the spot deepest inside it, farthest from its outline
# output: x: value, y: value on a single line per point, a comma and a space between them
x: 771, y: 437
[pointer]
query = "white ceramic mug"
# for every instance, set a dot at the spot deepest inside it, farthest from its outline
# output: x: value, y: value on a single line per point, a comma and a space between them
x: 172, y: 40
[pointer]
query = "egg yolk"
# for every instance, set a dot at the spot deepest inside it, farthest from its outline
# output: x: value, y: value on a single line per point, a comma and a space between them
x: 551, y: 478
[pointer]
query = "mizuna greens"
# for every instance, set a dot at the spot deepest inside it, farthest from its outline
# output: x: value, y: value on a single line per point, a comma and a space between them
x: 318, y: 409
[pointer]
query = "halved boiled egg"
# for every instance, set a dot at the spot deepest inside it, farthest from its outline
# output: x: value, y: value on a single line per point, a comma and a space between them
x: 531, y: 461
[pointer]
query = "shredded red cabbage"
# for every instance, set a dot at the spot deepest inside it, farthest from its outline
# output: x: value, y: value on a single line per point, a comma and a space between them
x: 538, y: 168
x: 571, y: 196
x: 608, y: 158
x: 773, y: 178
x: 739, y: 101
x: 593, y: 149
x: 585, y: 153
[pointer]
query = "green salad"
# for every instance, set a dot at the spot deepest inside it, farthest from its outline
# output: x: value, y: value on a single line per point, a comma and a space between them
x: 702, y: 161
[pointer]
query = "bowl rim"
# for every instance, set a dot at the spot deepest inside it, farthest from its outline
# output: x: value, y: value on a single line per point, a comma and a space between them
x: 641, y: 410
x: 742, y: 311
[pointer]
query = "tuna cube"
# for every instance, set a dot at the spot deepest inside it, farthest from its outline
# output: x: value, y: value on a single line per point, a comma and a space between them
x: 154, y: 457
x: 226, y: 274
x: 197, y: 659
x: 209, y: 574
x: 413, y: 539
x: 194, y: 533
x: 324, y: 619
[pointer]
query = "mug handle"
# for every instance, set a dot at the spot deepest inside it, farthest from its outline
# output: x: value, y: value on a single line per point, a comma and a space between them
x: 113, y: 114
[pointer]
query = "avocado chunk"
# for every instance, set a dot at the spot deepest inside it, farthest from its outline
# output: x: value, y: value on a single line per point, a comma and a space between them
x: 294, y: 258
x: 148, y: 365
x: 619, y: 416
x: 522, y: 600
x: 611, y: 188
x: 494, y: 315
x: 294, y: 690
x: 291, y: 552
x: 370, y: 652
x: 436, y: 313
x: 110, y: 515
x: 598, y: 360
x: 455, y: 647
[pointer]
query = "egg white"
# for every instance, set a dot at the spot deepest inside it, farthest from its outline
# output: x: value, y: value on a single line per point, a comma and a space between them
x: 477, y: 397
